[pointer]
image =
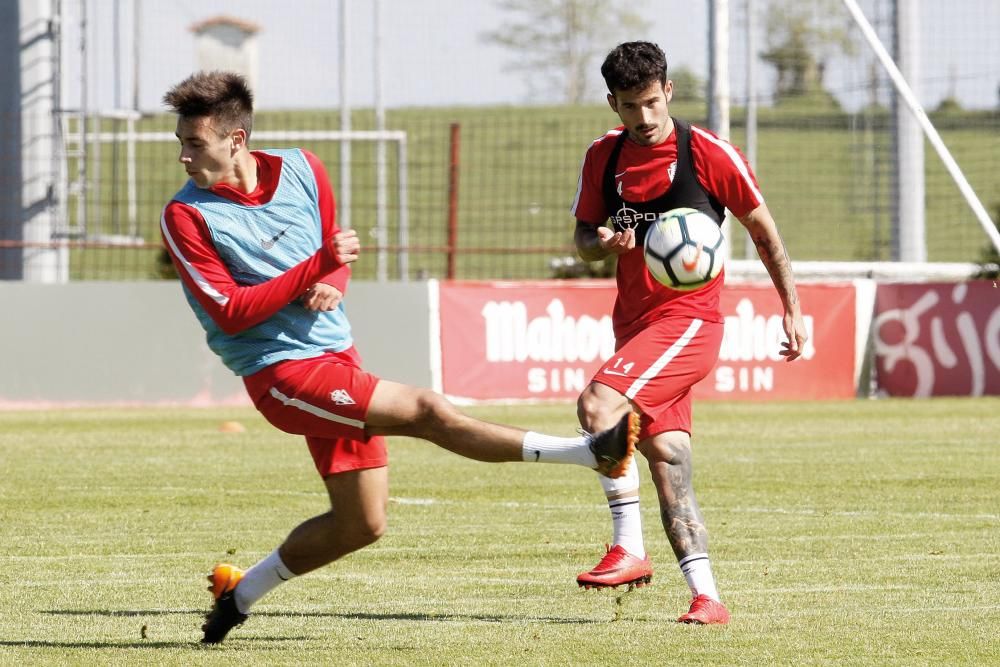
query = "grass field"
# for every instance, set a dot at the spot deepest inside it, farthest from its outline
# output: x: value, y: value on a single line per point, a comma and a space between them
x: 858, y: 532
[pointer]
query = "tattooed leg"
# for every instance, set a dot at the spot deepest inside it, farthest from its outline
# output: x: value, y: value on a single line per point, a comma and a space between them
x: 669, y: 456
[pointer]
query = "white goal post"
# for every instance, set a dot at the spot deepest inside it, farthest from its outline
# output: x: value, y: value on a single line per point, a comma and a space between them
x: 396, y: 137
x: 906, y: 93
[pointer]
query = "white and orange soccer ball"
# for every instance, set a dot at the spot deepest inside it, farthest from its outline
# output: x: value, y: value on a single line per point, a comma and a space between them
x: 684, y: 249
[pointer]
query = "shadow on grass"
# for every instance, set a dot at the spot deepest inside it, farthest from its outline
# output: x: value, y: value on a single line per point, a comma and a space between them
x: 357, y: 616
x: 145, y: 643
x: 34, y: 643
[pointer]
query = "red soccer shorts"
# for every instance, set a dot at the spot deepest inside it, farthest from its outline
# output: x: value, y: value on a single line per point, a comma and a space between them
x: 657, y: 367
x: 325, y: 399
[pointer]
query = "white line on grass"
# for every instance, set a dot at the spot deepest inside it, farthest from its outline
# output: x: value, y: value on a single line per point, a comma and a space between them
x: 806, y: 511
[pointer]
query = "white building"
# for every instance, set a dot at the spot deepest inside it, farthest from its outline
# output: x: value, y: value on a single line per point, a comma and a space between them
x: 227, y: 43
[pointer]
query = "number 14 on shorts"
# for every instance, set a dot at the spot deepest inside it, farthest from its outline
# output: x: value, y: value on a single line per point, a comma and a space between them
x: 619, y: 367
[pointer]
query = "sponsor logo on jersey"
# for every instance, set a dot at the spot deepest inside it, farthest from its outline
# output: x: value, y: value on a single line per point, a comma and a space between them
x: 267, y: 244
x: 628, y: 218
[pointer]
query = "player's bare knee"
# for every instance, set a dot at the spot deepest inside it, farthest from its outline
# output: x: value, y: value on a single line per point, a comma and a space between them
x: 359, y: 531
x: 369, y: 531
x: 594, y: 413
x: 673, y: 448
x: 434, y: 413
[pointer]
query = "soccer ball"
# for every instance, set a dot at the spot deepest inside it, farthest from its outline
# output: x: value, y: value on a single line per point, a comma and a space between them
x: 684, y: 249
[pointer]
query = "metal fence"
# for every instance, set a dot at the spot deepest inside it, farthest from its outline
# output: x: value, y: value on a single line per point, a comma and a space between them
x: 484, y: 191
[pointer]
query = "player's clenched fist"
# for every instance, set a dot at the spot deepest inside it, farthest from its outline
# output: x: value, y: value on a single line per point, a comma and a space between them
x: 346, y: 246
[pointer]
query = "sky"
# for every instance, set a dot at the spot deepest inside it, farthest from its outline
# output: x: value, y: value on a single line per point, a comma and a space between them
x: 433, y: 53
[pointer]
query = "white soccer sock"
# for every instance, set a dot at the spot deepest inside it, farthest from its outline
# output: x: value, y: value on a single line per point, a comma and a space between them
x: 698, y: 571
x: 259, y: 580
x: 541, y: 448
x: 626, y: 519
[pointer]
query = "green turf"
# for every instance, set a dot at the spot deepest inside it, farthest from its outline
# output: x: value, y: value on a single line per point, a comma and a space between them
x: 856, y: 532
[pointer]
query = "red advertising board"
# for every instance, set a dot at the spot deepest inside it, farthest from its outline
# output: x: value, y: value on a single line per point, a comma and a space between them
x: 750, y: 366
x: 544, y: 340
x: 523, y: 340
x: 937, y: 339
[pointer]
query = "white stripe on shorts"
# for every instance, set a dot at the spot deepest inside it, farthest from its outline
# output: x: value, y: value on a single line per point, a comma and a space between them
x: 664, y: 359
x: 313, y: 410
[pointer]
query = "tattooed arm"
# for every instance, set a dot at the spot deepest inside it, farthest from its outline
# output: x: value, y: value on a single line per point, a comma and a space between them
x: 771, y: 250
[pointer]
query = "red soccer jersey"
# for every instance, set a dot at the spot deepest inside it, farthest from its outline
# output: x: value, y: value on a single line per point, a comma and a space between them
x: 237, y: 307
x: 644, y: 173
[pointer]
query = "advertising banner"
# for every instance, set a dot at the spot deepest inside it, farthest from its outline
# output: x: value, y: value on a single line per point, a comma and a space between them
x: 545, y: 340
x: 524, y: 340
x: 750, y: 366
x: 937, y: 339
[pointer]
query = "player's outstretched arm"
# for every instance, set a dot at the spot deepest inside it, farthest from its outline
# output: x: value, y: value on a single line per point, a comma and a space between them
x: 595, y: 242
x: 764, y: 233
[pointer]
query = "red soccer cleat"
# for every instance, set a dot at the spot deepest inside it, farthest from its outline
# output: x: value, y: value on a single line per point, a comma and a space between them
x: 705, y: 611
x: 618, y: 567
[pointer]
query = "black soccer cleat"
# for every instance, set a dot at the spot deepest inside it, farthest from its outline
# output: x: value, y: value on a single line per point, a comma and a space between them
x: 223, y: 618
x: 224, y: 615
x: 614, y: 448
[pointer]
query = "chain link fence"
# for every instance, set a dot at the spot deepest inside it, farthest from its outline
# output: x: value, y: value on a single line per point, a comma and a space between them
x: 484, y: 191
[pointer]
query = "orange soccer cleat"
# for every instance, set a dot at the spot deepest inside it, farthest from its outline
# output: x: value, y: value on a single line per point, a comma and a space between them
x: 224, y: 578
x: 617, y: 568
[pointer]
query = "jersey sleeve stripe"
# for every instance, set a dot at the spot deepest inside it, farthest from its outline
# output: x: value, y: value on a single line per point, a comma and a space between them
x: 579, y: 189
x: 203, y: 284
x: 735, y: 157
x: 579, y: 181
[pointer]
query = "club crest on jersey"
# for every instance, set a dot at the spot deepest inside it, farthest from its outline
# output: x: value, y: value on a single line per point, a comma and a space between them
x: 671, y: 170
x: 341, y: 397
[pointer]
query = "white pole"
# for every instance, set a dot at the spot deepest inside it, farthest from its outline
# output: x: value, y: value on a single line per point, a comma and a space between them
x: 133, y: 209
x: 911, y: 238
x: 718, y: 105
x: 83, y: 203
x: 718, y: 66
x: 749, y: 249
x: 37, y: 68
x: 136, y: 51
x: 381, y: 226
x: 404, y: 207
x: 94, y: 190
x: 929, y: 130
x: 344, y: 212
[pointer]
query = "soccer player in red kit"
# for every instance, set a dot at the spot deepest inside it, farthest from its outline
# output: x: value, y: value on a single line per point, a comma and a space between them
x: 666, y: 340
x: 264, y: 267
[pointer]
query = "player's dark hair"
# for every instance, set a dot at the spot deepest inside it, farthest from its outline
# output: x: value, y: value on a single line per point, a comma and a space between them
x: 634, y: 65
x: 224, y: 97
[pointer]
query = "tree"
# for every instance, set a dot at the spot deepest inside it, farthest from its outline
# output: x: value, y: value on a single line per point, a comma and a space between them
x: 688, y: 86
x: 559, y: 44
x: 801, y: 38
